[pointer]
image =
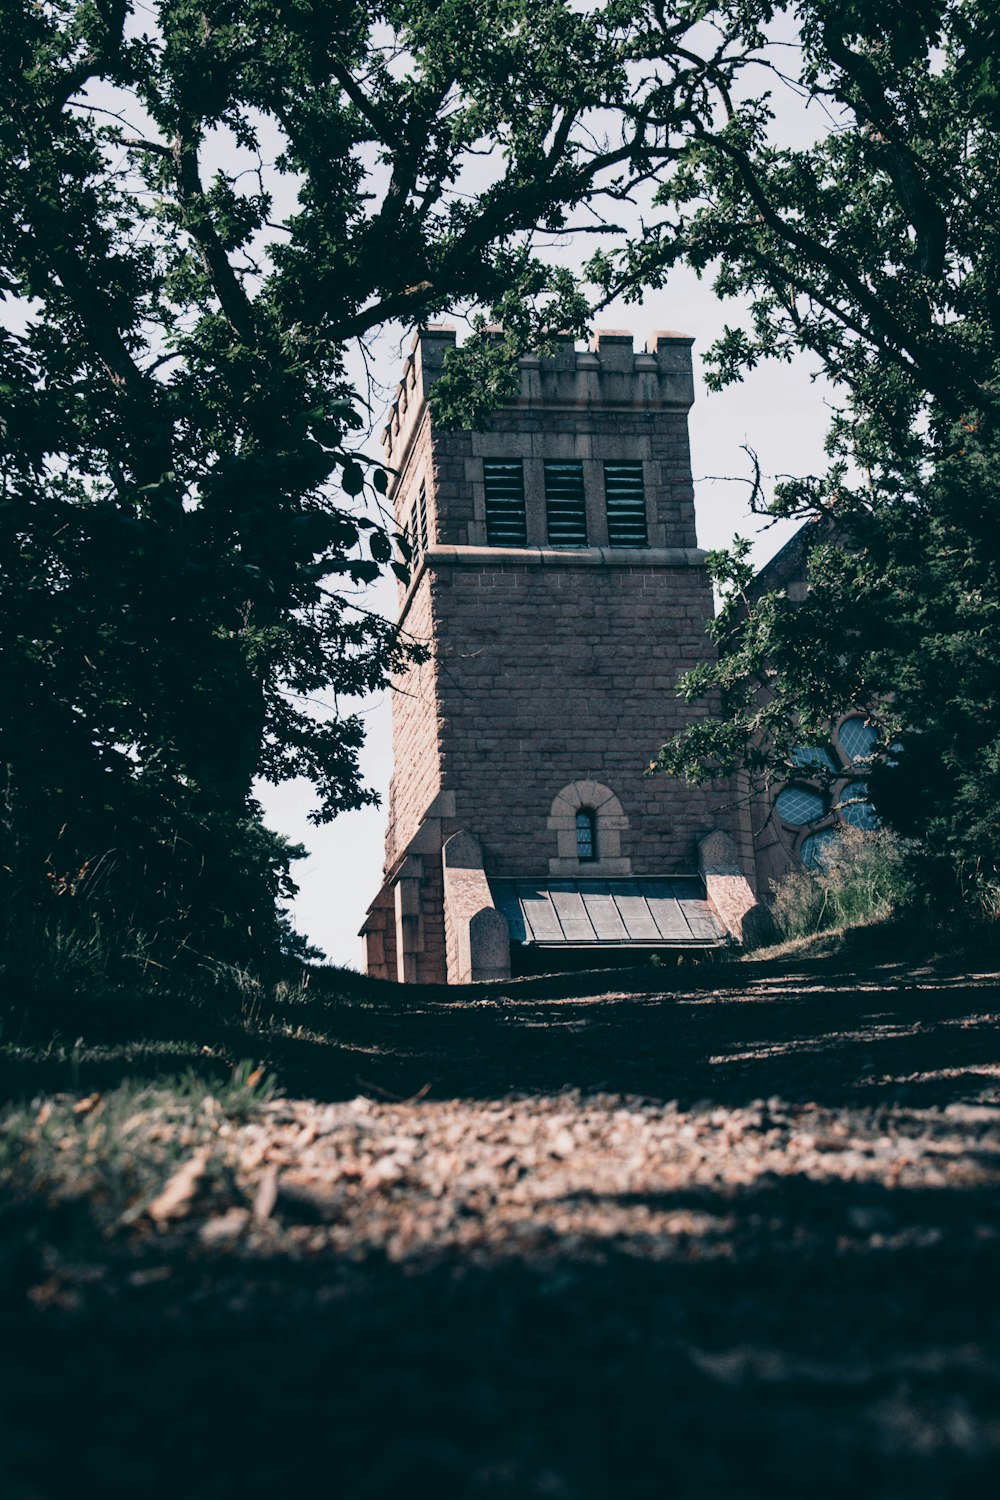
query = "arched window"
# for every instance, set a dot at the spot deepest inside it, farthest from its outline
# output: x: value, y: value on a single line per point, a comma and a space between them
x: 586, y: 834
x: 858, y: 740
x: 815, y: 847
x: 856, y: 809
x: 588, y: 822
x: 799, y: 805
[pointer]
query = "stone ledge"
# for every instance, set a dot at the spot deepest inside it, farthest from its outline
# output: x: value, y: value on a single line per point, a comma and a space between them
x: 727, y: 887
x: 566, y: 557
x: 438, y: 557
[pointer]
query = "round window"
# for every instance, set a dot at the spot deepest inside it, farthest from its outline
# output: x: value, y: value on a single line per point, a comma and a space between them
x: 815, y: 848
x: 857, y: 740
x: 855, y: 808
x: 800, y: 804
x: 813, y: 758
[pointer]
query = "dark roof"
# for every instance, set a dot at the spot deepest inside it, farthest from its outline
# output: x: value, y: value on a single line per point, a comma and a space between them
x: 788, y: 565
x: 662, y: 912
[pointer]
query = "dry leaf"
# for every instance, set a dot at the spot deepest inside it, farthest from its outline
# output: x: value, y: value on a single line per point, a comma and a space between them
x: 84, y: 1106
x: 177, y: 1196
x: 267, y: 1195
x: 223, y: 1227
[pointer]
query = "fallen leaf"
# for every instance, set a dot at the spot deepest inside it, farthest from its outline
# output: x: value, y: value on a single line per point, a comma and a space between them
x: 177, y: 1196
x: 223, y: 1227
x: 150, y: 1276
x: 84, y: 1106
x: 267, y: 1195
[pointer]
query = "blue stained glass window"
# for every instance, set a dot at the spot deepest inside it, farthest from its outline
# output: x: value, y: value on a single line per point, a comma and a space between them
x: 586, y: 834
x: 855, y: 808
x: 800, y: 804
x: 857, y: 740
x: 814, y: 848
x: 813, y: 758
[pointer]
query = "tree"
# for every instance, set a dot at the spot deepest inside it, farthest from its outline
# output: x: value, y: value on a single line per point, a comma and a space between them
x: 204, y: 206
x: 876, y: 250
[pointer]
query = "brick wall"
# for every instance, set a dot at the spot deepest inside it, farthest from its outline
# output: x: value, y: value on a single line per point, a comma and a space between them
x: 416, y: 775
x: 553, y: 675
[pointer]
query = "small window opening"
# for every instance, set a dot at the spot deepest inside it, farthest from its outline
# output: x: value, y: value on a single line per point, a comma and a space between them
x: 506, y: 521
x: 565, y: 504
x: 415, y: 530
x: 626, y: 501
x: 586, y: 834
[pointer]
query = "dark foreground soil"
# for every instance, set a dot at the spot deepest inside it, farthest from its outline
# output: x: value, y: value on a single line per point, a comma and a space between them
x: 731, y: 1233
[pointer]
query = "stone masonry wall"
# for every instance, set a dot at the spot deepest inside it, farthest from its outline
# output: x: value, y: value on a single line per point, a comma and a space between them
x: 416, y: 775
x: 550, y: 675
x: 554, y: 670
x: 659, y: 441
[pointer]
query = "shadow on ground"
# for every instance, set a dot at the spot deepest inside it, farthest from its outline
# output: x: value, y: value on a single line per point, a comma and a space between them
x: 802, y: 1337
x: 792, y: 1365
x: 817, y: 1028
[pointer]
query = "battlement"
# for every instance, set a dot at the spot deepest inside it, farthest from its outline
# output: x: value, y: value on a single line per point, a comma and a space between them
x: 611, y: 375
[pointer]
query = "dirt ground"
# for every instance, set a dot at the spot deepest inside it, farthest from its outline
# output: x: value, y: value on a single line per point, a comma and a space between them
x: 718, y: 1232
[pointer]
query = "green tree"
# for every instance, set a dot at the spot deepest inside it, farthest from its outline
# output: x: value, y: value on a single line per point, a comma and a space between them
x: 204, y: 204
x: 876, y: 250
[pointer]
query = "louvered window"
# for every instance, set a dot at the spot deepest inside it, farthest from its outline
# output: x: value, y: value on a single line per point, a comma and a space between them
x: 416, y: 527
x: 626, y: 497
x: 565, y: 505
x: 506, y: 525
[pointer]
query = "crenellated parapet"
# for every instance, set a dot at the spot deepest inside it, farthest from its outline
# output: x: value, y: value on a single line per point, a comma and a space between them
x: 612, y: 375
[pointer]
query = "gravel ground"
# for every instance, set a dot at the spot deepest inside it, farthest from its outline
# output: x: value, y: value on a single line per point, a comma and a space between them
x: 768, y: 1267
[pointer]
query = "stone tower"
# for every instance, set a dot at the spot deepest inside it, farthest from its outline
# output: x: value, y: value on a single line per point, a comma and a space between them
x: 556, y: 578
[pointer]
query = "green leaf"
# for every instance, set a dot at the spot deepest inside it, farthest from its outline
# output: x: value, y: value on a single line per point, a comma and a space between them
x: 353, y: 478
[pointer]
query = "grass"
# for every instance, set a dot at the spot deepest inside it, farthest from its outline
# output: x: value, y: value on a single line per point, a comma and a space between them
x: 118, y: 1149
x: 70, y: 1021
x: 864, y: 877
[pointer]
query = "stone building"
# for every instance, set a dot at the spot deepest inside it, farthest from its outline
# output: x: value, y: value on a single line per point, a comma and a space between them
x: 793, y: 821
x: 557, y: 580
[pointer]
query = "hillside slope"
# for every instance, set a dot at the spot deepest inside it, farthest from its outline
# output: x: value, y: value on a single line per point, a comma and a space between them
x: 725, y: 1231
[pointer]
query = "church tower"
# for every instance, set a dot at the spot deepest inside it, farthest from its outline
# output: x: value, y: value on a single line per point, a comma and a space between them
x: 557, y: 581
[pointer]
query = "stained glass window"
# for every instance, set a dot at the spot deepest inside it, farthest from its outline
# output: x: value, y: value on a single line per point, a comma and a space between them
x: 857, y: 739
x: 800, y: 804
x: 813, y: 758
x: 586, y: 834
x: 855, y: 808
x: 815, y: 847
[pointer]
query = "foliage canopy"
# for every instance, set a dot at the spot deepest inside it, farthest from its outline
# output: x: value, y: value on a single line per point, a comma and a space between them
x: 204, y: 205
x: 875, y: 250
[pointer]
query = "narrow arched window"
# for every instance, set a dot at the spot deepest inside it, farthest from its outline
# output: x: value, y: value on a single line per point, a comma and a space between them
x: 586, y: 834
